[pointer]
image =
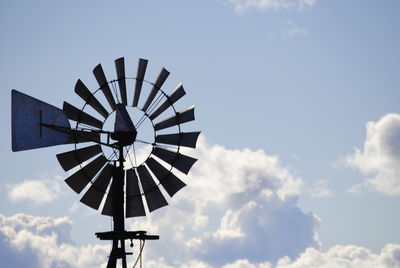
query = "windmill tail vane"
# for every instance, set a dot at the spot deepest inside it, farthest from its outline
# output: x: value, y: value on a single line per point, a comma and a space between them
x: 107, y: 171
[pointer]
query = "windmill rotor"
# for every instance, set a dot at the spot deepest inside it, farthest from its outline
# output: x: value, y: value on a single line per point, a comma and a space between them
x: 152, y: 173
x: 127, y: 146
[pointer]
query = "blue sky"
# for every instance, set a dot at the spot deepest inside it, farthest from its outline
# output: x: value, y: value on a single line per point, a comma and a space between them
x: 292, y: 83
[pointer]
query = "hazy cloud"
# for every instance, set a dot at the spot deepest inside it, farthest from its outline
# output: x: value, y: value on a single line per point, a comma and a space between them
x: 379, y: 160
x: 292, y: 29
x: 244, y: 5
x: 37, y: 192
x: 320, y: 189
x: 247, y: 264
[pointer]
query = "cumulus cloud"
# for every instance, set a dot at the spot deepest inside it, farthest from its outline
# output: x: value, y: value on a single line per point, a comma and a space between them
x: 32, y: 241
x: 345, y: 256
x: 239, y: 204
x: 238, y: 211
x: 380, y: 158
x: 243, y: 5
x: 348, y: 256
x: 37, y: 192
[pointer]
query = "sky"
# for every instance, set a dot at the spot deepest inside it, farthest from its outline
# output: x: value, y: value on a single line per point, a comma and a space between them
x: 298, y: 105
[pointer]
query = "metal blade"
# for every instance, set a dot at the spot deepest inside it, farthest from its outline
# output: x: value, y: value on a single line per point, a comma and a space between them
x: 108, y: 205
x: 77, y: 115
x: 82, y: 177
x: 156, y: 86
x: 97, y: 190
x: 186, y: 139
x: 177, y: 160
x: 178, y: 93
x: 142, y: 65
x: 78, y: 136
x: 134, y: 202
x: 73, y: 158
x: 102, y: 81
x: 89, y: 98
x: 120, y: 67
x: 169, y: 181
x: 178, y: 118
x: 154, y: 197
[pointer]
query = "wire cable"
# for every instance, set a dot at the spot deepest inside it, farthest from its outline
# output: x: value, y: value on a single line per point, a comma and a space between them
x: 139, y: 257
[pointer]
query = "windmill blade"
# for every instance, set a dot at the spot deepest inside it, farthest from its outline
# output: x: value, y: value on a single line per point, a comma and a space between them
x: 169, y: 181
x: 78, y: 136
x: 108, y: 205
x: 79, y: 116
x: 154, y: 197
x: 178, y: 93
x: 102, y: 81
x: 115, y: 194
x: 178, y: 118
x: 73, y: 158
x: 89, y: 98
x: 97, y: 190
x: 120, y: 67
x: 156, y: 86
x: 134, y: 202
x: 179, y: 161
x: 186, y: 139
x: 142, y: 65
x: 82, y: 177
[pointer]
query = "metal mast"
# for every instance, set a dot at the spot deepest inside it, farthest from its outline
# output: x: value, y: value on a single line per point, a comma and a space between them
x: 125, y: 134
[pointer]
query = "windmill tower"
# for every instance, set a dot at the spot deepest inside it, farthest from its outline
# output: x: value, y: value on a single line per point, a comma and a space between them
x: 119, y: 166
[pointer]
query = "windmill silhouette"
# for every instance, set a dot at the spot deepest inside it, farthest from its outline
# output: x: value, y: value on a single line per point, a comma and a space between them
x: 107, y: 142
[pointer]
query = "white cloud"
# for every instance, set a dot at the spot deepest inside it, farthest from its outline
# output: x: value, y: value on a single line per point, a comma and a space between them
x: 349, y: 256
x: 345, y: 256
x: 37, y: 192
x: 221, y: 173
x: 238, y: 204
x: 243, y: 5
x: 238, y: 211
x: 380, y: 158
x: 31, y: 241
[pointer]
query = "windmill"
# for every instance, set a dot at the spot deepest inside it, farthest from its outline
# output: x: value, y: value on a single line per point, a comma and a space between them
x: 118, y: 166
